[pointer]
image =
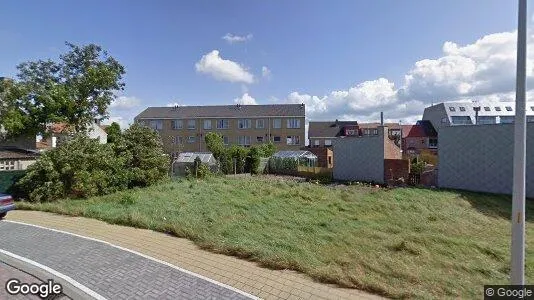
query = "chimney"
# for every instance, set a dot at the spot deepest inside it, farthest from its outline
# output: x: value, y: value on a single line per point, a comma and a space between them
x: 381, y: 118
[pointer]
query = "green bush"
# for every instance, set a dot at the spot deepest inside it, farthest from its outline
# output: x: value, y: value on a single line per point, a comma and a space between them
x: 82, y: 167
x: 253, y: 160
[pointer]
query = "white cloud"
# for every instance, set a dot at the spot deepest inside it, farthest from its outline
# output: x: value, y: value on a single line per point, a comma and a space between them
x: 246, y: 99
x: 173, y: 104
x: 231, y: 38
x: 123, y: 122
x: 223, y: 69
x: 482, y: 70
x: 124, y: 102
x: 266, y: 72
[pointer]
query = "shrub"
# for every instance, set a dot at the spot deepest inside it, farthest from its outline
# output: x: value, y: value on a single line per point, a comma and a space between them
x: 253, y: 160
x: 267, y: 150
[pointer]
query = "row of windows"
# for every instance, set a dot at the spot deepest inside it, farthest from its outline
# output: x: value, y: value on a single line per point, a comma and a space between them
x: 241, y: 140
x: 7, y: 165
x: 466, y: 120
x: 223, y: 124
x: 487, y: 108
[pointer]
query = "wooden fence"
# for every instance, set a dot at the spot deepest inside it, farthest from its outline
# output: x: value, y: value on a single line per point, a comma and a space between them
x: 313, y: 172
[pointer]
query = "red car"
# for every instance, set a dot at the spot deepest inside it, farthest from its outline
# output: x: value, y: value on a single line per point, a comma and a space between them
x: 6, y: 204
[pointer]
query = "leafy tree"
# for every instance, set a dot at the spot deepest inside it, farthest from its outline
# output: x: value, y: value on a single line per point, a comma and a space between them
x: 267, y: 150
x: 215, y: 144
x: 113, y: 131
x: 239, y: 154
x: 76, y: 90
x: 147, y: 161
x: 253, y: 160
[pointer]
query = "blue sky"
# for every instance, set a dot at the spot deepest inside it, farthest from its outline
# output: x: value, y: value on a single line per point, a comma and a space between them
x: 344, y: 59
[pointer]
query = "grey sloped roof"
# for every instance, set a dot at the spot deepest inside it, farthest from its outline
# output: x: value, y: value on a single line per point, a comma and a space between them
x: 327, y: 129
x: 189, y: 157
x: 223, y: 111
x: 17, y: 153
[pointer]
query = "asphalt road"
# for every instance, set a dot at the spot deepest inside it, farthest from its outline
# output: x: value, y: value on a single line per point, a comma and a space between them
x: 106, y: 271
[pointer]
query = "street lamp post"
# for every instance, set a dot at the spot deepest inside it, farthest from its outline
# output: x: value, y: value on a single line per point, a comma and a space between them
x: 517, y: 271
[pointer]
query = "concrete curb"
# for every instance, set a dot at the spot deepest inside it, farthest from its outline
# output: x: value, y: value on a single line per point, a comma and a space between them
x: 69, y: 289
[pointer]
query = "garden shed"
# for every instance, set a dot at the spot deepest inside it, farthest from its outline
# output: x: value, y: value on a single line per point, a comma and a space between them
x: 187, y: 160
x: 286, y: 162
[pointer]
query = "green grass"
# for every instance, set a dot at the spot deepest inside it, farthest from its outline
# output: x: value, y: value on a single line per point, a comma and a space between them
x: 401, y: 243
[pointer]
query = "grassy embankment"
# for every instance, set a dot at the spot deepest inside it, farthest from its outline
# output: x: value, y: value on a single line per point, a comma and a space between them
x: 404, y: 242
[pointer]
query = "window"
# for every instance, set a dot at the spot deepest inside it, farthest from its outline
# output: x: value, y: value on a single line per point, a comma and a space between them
x: 497, y: 108
x: 462, y: 108
x: 330, y: 160
x: 316, y: 143
x: 487, y: 120
x: 207, y: 124
x: 367, y: 131
x: 222, y: 124
x: 277, y: 139
x: 432, y: 143
x: 260, y: 123
x: 156, y: 124
x: 277, y: 123
x: 532, y: 108
x: 191, y: 124
x: 508, y: 108
x: 226, y: 140
x: 423, y: 141
x: 259, y: 139
x: 293, y: 140
x: 530, y: 119
x: 191, y: 139
x: 461, y: 120
x: 452, y: 108
x: 444, y: 120
x: 375, y: 131
x: 243, y: 140
x: 7, y: 165
x: 293, y: 123
x: 177, y: 124
x: 328, y: 142
x: 507, y: 119
x: 244, y: 123
x: 487, y: 108
x: 173, y: 139
x: 179, y: 140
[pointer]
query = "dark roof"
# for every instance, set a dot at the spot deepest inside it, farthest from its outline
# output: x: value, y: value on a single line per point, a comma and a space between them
x: 327, y: 129
x: 16, y: 153
x: 421, y: 129
x: 223, y: 111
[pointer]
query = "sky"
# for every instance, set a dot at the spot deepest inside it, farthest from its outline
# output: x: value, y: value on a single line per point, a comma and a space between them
x: 345, y: 59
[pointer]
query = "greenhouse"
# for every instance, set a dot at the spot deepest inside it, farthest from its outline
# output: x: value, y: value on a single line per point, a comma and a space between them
x: 187, y: 160
x: 289, y: 161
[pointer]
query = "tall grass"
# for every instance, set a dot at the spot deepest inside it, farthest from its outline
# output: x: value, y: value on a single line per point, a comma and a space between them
x: 401, y: 243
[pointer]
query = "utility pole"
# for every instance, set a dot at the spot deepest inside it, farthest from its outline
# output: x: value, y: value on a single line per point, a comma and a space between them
x: 517, y: 270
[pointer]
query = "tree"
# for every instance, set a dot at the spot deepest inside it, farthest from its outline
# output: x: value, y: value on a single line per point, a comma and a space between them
x: 215, y: 144
x: 253, y: 160
x: 113, y: 131
x: 147, y: 161
x: 267, y: 150
x: 76, y: 90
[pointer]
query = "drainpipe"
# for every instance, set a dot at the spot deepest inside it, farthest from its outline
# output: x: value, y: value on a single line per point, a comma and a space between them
x: 381, y: 118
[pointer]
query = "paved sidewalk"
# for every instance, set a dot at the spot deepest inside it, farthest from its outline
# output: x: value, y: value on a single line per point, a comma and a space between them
x: 240, y: 274
x: 8, y: 272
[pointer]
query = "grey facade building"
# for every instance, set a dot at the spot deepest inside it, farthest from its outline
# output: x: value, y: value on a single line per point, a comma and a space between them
x: 480, y: 158
x: 464, y: 113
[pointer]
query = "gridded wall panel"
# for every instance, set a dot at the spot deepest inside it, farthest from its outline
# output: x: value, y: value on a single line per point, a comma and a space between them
x: 480, y: 158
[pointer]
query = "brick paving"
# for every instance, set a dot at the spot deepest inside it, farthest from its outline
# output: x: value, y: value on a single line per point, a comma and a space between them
x: 8, y: 272
x: 241, y: 274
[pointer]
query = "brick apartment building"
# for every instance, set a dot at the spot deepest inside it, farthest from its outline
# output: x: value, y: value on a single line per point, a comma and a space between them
x: 183, y: 128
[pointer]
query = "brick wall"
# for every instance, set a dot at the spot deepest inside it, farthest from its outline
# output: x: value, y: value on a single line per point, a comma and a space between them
x: 322, y: 156
x: 396, y: 168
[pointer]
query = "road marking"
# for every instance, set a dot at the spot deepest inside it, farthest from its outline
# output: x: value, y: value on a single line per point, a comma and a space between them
x: 145, y: 256
x: 73, y: 282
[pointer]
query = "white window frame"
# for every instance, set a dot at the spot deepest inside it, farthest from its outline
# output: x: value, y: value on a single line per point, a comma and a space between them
x: 243, y: 140
x: 179, y: 140
x: 223, y: 124
x: 207, y: 122
x: 316, y: 143
x: 193, y: 122
x: 156, y: 124
x: 226, y: 140
x: 277, y: 123
x: 191, y: 139
x: 328, y: 142
x: 293, y: 123
x: 244, y: 124
x: 293, y: 140
x: 260, y: 121
x: 177, y: 124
